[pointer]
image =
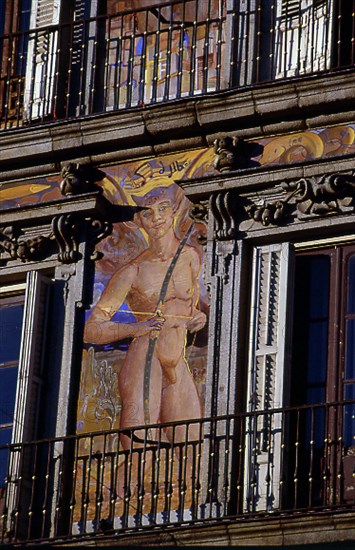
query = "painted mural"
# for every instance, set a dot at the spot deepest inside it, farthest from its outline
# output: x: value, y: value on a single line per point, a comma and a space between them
x: 305, y: 146
x: 145, y: 340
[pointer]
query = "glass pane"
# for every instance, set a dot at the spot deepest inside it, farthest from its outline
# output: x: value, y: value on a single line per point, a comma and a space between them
x: 311, y: 325
x: 318, y: 267
x: 351, y: 285
x: 5, y: 438
x: 317, y: 352
x: 350, y: 350
x: 10, y: 332
x: 8, y: 380
x: 349, y: 417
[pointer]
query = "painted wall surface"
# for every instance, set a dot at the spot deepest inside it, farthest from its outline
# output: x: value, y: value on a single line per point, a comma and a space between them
x: 305, y: 146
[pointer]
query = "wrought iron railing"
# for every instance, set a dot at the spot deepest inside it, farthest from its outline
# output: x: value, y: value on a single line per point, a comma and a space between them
x: 171, y: 50
x: 254, y: 465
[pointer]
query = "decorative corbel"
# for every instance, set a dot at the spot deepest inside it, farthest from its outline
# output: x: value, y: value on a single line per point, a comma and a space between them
x: 234, y: 153
x: 99, y: 229
x: 66, y: 234
x: 223, y: 208
x: 80, y: 178
x: 199, y: 214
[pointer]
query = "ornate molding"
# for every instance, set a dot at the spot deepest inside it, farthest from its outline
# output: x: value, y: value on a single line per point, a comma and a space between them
x: 15, y: 245
x: 306, y: 197
x: 63, y: 238
x: 233, y: 153
x: 79, y: 178
x: 223, y: 208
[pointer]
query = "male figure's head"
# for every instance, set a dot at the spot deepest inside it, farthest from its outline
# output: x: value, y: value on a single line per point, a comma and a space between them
x: 157, y: 218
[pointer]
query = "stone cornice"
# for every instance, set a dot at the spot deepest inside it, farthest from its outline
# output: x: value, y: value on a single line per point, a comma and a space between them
x: 255, y: 112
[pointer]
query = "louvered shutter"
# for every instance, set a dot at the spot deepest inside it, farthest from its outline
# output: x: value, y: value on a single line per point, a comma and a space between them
x: 42, y: 60
x: 28, y: 392
x: 266, y: 374
x: 302, y: 36
x: 85, y: 61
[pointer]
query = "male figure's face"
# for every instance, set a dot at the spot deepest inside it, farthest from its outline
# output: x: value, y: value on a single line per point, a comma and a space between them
x: 158, y: 218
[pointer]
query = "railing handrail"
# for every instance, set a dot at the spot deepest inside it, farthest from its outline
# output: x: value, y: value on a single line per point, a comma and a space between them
x: 202, y: 420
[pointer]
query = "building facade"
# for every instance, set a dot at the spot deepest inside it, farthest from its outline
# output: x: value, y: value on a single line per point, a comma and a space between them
x: 177, y: 271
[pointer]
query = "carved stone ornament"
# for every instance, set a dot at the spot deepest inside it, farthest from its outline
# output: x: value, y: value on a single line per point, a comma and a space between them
x: 79, y: 178
x: 233, y: 153
x: 63, y: 239
x: 307, y: 197
x: 17, y: 247
x: 66, y: 230
x: 199, y: 214
x: 223, y: 208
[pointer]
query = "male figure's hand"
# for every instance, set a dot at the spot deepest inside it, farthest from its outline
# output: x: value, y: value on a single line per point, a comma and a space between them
x: 154, y: 323
x: 197, y: 322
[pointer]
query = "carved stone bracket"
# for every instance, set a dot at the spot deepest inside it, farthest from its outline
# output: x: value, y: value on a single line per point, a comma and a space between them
x: 99, y: 229
x: 67, y: 229
x: 199, y: 214
x: 233, y: 153
x: 307, y: 197
x: 79, y: 178
x: 66, y: 233
x: 223, y: 208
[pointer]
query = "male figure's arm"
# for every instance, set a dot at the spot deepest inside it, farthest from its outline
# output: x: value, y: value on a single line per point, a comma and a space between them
x: 199, y: 318
x: 100, y: 329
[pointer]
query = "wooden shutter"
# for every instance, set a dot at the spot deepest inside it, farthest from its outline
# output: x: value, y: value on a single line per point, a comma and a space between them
x: 266, y: 373
x: 42, y: 60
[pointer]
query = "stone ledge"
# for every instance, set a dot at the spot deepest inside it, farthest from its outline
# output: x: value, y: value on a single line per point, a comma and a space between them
x: 280, y: 531
x: 256, y: 112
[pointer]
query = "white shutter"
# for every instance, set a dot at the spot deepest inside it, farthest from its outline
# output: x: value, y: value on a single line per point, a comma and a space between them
x: 302, y: 36
x: 42, y: 60
x: 266, y: 371
x: 28, y: 385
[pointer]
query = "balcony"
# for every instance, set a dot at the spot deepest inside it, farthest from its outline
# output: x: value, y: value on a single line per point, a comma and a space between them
x: 259, y: 465
x: 167, y: 52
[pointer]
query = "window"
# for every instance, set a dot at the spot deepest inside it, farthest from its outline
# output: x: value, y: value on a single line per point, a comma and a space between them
x: 11, y: 319
x: 323, y: 364
x: 23, y: 319
x: 301, y: 360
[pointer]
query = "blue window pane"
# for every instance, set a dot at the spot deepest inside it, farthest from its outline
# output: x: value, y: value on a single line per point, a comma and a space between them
x: 349, y: 417
x: 10, y: 332
x: 351, y: 285
x: 5, y: 438
x: 319, y: 286
x: 317, y: 352
x: 350, y: 350
x: 8, y: 381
